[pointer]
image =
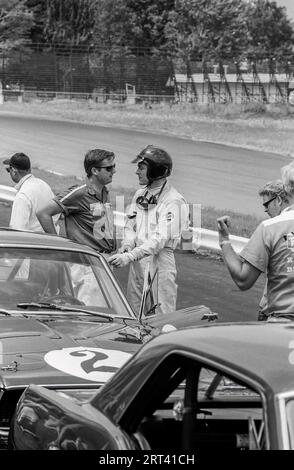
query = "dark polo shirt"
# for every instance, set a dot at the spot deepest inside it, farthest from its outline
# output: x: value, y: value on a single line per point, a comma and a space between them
x: 88, y: 217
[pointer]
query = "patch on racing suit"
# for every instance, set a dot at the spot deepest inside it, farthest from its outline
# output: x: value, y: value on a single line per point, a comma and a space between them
x: 290, y: 241
x: 169, y: 217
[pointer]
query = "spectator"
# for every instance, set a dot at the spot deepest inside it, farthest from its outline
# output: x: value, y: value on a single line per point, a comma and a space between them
x: 32, y: 193
x: 269, y: 192
x: 269, y: 250
x: 87, y: 211
x: 157, y: 216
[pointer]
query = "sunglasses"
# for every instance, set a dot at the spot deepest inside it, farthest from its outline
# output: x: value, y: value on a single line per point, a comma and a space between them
x: 107, y: 168
x: 266, y: 204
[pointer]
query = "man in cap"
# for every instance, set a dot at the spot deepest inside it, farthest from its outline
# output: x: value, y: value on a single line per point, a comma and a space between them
x: 32, y: 193
x: 156, y: 218
x: 86, y: 208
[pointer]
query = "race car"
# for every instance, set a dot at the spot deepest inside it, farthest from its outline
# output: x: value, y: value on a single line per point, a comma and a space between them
x: 65, y: 323
x: 190, y: 393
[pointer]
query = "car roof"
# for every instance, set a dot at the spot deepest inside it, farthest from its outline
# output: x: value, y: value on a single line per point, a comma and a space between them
x: 263, y: 351
x: 22, y: 238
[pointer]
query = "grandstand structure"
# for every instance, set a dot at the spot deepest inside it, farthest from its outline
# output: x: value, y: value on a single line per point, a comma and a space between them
x: 230, y: 88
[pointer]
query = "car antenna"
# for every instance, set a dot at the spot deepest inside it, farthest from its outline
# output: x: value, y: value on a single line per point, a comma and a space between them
x: 148, y: 282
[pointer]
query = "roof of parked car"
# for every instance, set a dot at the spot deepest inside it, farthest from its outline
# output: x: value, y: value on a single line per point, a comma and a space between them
x: 264, y: 350
x: 22, y: 238
x: 260, y: 352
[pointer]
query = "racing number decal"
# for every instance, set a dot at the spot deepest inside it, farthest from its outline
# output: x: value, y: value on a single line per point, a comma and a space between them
x: 95, y: 364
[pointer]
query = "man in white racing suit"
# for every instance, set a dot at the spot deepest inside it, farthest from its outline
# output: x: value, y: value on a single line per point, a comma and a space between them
x: 156, y: 218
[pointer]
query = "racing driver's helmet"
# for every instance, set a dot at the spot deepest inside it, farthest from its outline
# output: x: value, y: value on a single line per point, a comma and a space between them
x: 159, y: 162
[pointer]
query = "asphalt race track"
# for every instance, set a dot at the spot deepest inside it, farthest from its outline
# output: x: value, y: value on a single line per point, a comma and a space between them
x: 203, y: 281
x: 206, y: 173
x: 217, y: 175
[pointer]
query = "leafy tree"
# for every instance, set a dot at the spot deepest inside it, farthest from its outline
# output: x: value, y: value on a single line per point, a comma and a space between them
x: 38, y: 7
x: 138, y: 25
x: 208, y: 29
x: 15, y: 23
x: 111, y: 24
x: 271, y: 32
x: 148, y: 21
x: 126, y: 29
x: 67, y: 21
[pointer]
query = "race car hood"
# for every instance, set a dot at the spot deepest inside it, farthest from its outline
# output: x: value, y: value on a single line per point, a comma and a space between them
x: 60, y: 351
x: 76, y: 351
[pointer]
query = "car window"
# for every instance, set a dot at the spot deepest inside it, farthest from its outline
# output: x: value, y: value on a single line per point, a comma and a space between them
x: 58, y: 277
x: 14, y: 268
x: 189, y: 406
x: 214, y: 385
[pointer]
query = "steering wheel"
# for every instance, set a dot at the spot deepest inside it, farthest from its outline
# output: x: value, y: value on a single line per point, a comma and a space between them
x: 61, y: 299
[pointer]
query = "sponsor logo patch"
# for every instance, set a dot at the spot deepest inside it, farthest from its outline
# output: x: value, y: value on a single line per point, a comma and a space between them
x: 290, y: 241
x: 169, y: 217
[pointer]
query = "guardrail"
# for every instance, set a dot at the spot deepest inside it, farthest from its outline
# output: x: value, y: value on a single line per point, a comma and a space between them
x: 193, y: 240
x: 7, y: 193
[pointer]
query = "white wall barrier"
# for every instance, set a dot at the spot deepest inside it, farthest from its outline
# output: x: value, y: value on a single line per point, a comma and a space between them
x: 192, y: 240
x: 7, y: 193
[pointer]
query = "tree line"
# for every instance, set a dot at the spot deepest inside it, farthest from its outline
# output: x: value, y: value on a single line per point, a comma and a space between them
x: 185, y: 29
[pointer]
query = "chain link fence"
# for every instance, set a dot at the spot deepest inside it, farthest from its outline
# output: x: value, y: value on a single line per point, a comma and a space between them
x: 59, y: 71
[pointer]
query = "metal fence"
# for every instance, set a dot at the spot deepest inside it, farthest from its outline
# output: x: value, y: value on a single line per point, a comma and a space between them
x: 49, y: 71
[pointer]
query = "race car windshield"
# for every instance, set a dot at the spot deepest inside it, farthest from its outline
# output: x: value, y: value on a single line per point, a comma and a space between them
x: 64, y: 278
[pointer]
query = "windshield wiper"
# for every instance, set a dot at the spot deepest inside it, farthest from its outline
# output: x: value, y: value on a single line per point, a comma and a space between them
x: 61, y: 308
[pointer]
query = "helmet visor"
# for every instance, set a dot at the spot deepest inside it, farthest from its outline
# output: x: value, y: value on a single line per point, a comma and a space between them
x: 138, y: 159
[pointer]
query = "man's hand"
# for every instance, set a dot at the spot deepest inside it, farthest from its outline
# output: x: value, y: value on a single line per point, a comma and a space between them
x: 120, y: 260
x: 223, y: 224
x: 124, y: 249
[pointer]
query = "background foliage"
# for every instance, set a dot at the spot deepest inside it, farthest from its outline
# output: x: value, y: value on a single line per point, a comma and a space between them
x: 222, y: 28
x: 103, y: 45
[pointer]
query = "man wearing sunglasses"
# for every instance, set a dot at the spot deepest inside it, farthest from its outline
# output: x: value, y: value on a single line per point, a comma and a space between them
x: 156, y: 218
x: 270, y: 250
x: 31, y: 194
x: 87, y: 212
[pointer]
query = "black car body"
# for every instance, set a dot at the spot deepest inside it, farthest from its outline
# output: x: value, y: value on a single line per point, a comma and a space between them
x: 215, y: 387
x: 64, y: 321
